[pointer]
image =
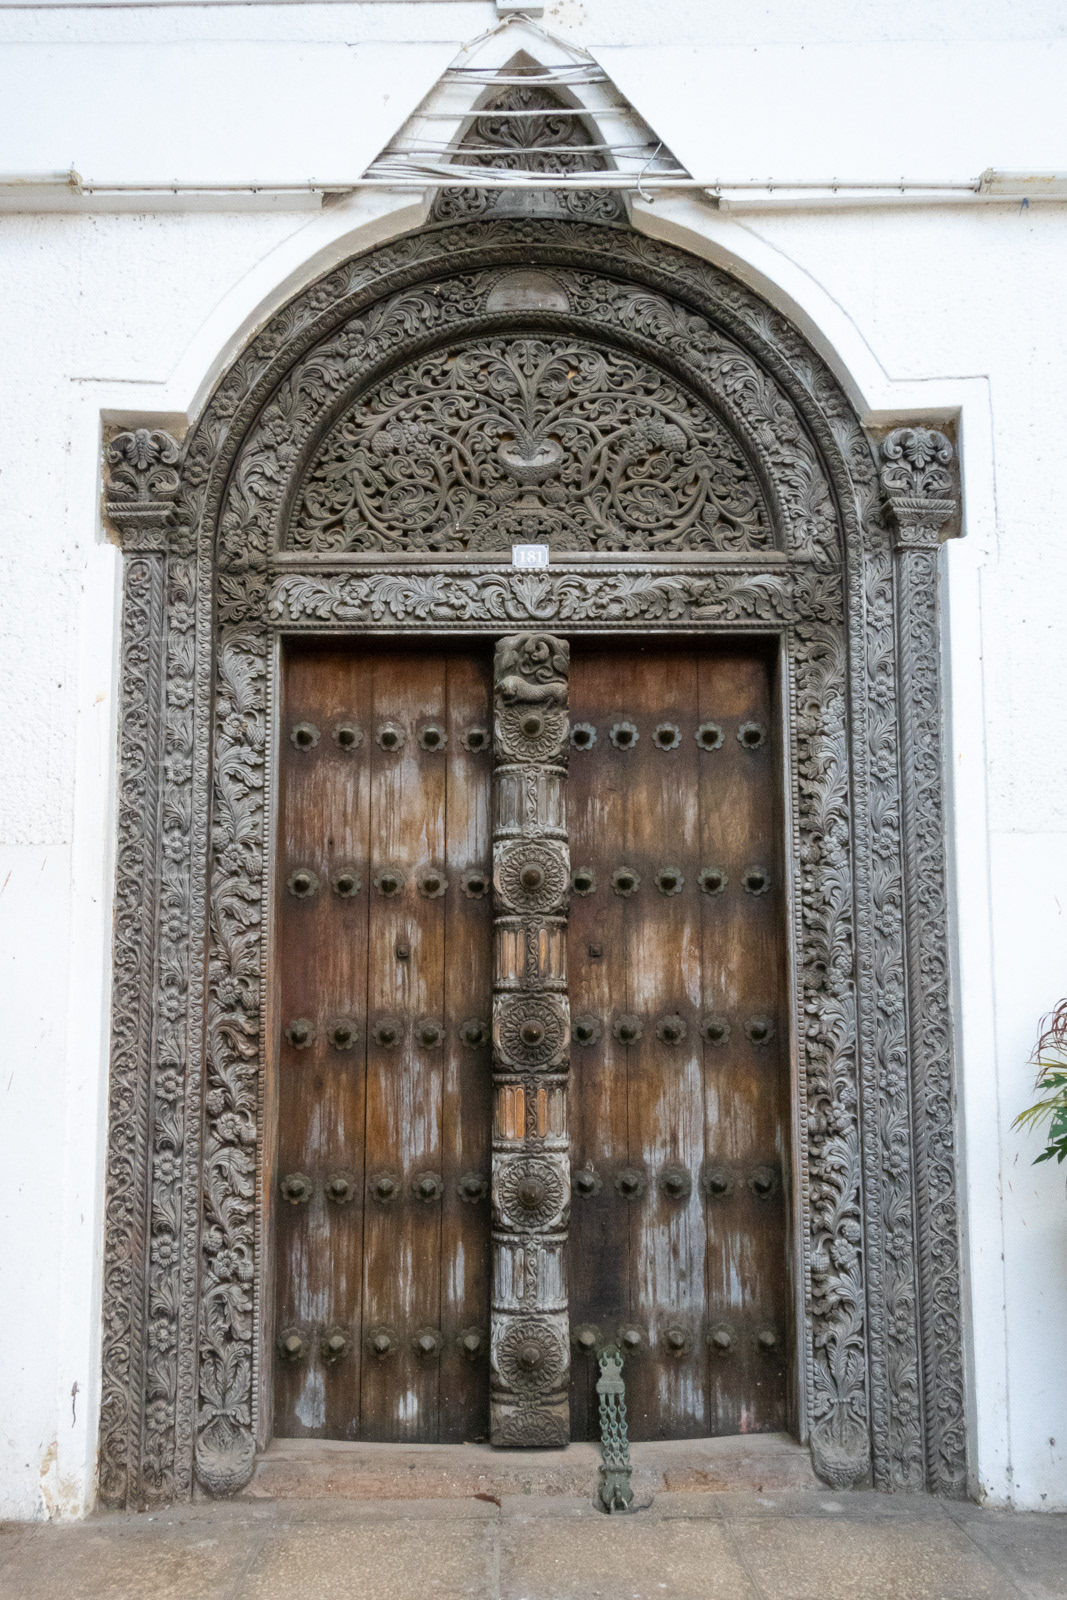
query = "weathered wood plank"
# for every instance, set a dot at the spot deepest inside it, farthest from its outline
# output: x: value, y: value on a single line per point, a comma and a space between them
x: 467, y: 1104
x: 599, y: 1272
x: 402, y: 1236
x: 747, y: 1083
x: 679, y: 1267
x: 322, y: 950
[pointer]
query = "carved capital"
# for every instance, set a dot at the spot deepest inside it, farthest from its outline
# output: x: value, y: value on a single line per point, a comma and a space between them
x: 531, y: 669
x: 916, y: 472
x: 141, y: 487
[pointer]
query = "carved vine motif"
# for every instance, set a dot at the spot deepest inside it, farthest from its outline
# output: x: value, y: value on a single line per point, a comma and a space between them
x: 169, y: 1199
x: 122, y: 1387
x: 916, y: 463
x: 147, y: 1240
x: 747, y: 597
x: 225, y: 1447
x: 882, y: 1366
x: 889, y: 1201
x: 535, y: 440
x: 530, y: 1340
x: 840, y: 1414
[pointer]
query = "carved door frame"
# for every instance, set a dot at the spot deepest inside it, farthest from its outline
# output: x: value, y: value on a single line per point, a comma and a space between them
x: 851, y: 594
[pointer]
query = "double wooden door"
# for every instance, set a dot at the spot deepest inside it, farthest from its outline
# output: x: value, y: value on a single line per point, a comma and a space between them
x: 678, y: 1101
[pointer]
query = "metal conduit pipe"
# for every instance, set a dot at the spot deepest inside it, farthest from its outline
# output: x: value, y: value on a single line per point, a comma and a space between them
x: 992, y: 186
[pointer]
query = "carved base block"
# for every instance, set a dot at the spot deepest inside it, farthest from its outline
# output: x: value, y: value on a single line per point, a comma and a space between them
x: 840, y: 1466
x: 225, y: 1465
x: 529, y: 1424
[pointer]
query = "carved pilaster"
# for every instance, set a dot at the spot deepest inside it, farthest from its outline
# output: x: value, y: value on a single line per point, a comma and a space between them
x: 530, y: 1345
x: 143, y: 1294
x: 916, y: 471
x: 133, y: 958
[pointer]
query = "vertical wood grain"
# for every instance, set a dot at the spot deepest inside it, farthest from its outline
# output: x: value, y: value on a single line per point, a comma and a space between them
x: 323, y: 825
x: 409, y: 1266
x: 690, y: 1266
x: 747, y: 1084
x: 467, y: 1104
x: 599, y: 1256
x: 402, y: 1239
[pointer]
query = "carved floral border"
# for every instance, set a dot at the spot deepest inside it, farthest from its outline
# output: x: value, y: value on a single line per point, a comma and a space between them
x: 855, y: 602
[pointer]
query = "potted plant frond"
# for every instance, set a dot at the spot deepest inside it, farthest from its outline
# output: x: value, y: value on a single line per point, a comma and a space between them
x: 1050, y: 1058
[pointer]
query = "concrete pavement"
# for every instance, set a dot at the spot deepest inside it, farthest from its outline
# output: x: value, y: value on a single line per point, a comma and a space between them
x: 788, y: 1545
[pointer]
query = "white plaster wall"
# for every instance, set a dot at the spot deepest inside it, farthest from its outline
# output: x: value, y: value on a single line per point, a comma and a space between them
x: 948, y: 310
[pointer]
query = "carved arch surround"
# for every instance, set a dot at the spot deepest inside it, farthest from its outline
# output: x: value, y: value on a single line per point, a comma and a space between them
x: 849, y: 587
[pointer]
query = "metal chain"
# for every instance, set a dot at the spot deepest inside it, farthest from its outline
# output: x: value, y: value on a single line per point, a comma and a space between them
x: 614, y: 1488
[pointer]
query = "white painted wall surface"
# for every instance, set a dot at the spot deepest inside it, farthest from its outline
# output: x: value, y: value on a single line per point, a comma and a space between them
x: 950, y: 309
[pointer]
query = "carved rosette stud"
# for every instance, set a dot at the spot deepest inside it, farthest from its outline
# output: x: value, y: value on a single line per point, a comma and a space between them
x: 530, y: 1343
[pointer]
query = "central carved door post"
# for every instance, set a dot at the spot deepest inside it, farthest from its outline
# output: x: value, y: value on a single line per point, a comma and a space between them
x: 530, y: 1344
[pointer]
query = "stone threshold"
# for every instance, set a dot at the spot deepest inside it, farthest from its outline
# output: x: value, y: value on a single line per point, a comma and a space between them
x: 307, y: 1469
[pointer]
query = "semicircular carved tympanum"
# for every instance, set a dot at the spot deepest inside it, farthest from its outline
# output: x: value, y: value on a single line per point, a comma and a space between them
x: 533, y: 440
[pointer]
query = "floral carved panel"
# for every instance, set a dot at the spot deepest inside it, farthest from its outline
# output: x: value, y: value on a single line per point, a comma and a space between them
x: 531, y: 440
x: 527, y: 127
x: 674, y: 409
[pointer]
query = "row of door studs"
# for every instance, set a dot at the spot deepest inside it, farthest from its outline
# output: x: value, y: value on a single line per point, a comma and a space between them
x: 295, y: 1343
x: 673, y: 1182
x: 303, y: 883
x: 676, y: 1339
x: 624, y: 735
x: 388, y: 1033
x: 431, y: 736
x: 586, y: 1030
x: 390, y: 736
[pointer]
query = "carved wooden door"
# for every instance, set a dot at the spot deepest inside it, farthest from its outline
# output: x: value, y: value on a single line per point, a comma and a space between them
x: 679, y: 1078
x: 384, y: 923
x: 675, y: 970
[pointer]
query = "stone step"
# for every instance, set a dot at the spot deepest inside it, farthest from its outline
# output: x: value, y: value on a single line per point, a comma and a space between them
x: 306, y: 1469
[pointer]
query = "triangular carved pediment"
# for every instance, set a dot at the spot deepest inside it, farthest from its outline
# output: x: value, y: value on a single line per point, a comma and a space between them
x: 505, y: 120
